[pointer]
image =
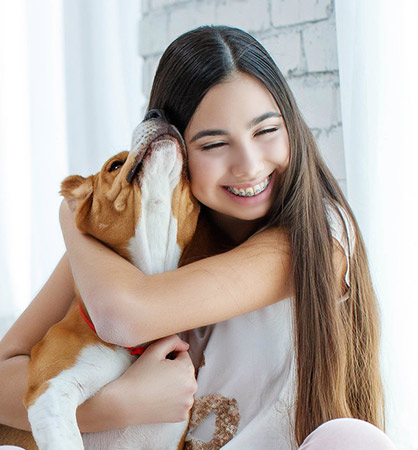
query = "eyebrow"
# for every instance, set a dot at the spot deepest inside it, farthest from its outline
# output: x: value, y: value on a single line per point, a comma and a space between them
x: 265, y: 116
x: 251, y: 124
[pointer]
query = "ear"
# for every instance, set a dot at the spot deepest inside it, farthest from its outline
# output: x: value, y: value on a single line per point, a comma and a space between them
x: 76, y: 189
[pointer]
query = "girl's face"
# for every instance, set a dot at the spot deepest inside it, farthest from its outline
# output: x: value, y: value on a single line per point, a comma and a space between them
x: 238, y: 148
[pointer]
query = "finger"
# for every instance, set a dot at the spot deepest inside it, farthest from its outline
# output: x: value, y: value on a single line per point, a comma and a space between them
x: 183, y: 356
x: 164, y: 346
x: 186, y: 361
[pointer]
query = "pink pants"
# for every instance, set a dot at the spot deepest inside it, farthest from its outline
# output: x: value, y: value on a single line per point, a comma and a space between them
x: 338, y: 434
x: 347, y: 434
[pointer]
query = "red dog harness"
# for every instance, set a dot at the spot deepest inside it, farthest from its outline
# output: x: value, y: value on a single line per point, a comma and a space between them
x: 134, y: 350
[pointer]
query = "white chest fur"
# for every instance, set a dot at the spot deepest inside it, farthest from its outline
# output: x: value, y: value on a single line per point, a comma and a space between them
x: 154, y: 247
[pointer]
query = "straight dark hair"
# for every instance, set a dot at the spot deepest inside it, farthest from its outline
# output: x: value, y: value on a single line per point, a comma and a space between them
x: 336, y: 342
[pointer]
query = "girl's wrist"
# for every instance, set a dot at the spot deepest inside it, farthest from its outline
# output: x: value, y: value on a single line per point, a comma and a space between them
x: 111, y: 402
x: 128, y: 407
x: 104, y: 411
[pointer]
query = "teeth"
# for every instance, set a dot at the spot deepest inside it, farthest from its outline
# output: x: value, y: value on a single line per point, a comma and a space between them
x: 251, y: 191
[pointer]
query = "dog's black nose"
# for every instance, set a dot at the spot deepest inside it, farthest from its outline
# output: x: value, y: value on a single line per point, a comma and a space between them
x: 155, y: 114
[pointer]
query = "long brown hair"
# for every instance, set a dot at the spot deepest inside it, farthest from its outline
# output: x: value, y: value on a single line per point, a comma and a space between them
x: 336, y: 342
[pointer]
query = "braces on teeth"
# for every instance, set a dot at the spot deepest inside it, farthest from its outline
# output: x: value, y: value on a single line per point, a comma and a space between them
x: 251, y: 191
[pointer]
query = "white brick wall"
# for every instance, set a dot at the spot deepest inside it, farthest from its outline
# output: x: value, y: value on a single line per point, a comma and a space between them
x: 299, y: 34
x: 291, y: 12
x: 320, y: 57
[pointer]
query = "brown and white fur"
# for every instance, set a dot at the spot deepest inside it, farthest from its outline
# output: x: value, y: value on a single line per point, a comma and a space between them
x: 141, y: 206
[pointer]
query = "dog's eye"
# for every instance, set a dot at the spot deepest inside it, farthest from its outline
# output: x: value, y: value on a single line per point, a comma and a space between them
x: 116, y: 165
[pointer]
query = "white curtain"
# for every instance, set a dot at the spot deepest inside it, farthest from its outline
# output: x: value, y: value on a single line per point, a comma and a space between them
x: 377, y: 48
x: 69, y: 98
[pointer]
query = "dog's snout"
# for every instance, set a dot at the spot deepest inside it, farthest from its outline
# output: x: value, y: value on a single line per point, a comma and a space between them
x: 155, y: 114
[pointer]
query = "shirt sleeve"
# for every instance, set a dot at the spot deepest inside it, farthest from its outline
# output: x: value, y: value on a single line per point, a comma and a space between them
x: 343, y: 231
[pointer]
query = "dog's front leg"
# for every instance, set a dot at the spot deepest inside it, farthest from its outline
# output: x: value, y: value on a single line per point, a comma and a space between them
x: 53, y: 413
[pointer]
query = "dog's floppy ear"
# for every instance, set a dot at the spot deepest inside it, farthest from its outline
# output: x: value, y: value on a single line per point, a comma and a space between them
x: 76, y: 189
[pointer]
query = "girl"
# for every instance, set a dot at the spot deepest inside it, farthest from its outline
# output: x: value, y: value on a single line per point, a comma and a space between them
x: 295, y: 340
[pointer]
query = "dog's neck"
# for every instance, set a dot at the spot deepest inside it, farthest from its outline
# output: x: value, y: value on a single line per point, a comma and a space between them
x: 154, y: 248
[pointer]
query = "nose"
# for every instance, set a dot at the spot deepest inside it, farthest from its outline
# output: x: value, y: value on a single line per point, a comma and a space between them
x: 155, y: 114
x: 248, y: 163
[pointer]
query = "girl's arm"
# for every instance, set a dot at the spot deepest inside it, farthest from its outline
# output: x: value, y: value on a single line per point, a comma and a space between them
x: 150, y: 382
x: 128, y: 307
x: 48, y: 307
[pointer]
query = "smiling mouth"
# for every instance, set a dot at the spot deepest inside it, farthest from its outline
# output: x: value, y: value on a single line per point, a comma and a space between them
x: 250, y: 191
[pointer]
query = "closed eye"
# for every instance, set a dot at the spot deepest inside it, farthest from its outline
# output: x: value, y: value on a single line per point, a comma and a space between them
x: 266, y: 130
x: 216, y: 145
x: 259, y: 133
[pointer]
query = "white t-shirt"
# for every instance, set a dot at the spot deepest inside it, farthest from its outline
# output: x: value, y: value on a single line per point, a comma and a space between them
x: 247, y: 383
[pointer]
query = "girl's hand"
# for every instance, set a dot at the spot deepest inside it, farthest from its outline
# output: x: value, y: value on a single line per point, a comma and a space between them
x: 155, y: 389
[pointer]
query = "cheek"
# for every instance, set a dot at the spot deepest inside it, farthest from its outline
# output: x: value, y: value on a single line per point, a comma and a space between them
x: 203, y: 176
x: 196, y: 173
x: 198, y: 180
x: 281, y: 153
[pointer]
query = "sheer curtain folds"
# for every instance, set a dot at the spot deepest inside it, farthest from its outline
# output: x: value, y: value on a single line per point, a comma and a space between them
x: 377, y: 43
x: 69, y: 98
x: 32, y: 145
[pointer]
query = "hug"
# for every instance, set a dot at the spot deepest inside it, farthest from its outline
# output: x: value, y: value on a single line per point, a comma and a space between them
x: 221, y: 240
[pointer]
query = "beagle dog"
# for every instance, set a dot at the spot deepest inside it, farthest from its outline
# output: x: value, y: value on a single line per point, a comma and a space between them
x: 141, y: 206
